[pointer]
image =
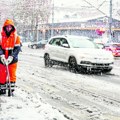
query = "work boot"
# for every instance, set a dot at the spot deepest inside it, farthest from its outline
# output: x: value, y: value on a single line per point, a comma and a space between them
x: 2, y: 91
x: 10, y: 92
x: 11, y: 89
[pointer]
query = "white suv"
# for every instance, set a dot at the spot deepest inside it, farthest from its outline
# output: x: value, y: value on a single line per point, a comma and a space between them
x: 78, y: 53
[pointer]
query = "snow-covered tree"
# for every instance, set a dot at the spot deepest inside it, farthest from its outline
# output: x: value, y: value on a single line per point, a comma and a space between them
x: 27, y: 14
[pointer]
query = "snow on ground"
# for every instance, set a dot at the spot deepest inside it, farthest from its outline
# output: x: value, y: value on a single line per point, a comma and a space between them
x: 25, y: 106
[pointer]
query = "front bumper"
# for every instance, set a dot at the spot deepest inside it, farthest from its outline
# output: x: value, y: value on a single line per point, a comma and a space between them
x: 90, y: 65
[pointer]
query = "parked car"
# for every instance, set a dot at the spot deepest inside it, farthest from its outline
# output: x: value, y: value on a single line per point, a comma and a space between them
x: 78, y: 53
x: 114, y: 48
x: 39, y: 44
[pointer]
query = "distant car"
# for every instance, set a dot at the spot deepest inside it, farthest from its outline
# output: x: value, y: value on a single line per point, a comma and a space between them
x: 39, y: 44
x: 114, y: 48
x: 78, y: 53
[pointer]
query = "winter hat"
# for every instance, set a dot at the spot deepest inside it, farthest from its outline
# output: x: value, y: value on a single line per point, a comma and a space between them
x: 8, y: 22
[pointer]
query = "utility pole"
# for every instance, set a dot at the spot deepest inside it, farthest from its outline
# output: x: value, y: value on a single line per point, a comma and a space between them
x: 36, y: 29
x: 110, y: 22
x: 52, y: 32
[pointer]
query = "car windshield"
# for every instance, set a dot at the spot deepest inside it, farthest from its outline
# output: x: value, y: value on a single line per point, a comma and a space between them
x: 82, y: 43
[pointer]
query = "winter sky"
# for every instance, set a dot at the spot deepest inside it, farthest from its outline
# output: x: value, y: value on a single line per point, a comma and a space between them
x: 102, y: 5
x: 84, y: 2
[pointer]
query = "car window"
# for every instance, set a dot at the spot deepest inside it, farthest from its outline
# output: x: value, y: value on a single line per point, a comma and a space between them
x: 82, y: 43
x: 55, y: 42
x: 64, y: 41
x: 51, y: 41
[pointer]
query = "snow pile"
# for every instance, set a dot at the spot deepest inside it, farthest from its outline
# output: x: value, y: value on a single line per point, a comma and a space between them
x: 25, y: 106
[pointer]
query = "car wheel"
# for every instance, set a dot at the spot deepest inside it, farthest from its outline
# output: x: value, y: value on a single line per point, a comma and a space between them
x: 34, y: 47
x: 31, y: 47
x: 47, y: 61
x: 73, y: 67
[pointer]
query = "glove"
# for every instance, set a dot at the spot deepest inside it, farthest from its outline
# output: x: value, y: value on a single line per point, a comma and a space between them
x: 9, y: 60
x: 3, y: 59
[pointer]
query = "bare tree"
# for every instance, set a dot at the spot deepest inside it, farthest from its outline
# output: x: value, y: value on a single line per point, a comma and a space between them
x: 27, y: 14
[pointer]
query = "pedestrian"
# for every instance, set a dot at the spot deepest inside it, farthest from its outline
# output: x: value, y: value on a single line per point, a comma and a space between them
x: 9, y: 50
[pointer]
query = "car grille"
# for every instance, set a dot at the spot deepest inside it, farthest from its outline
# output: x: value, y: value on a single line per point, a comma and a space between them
x: 88, y: 63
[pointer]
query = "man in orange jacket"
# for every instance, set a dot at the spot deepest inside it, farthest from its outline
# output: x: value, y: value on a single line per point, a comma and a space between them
x: 9, y: 50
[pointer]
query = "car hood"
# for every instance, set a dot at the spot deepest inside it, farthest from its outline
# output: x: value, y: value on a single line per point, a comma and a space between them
x: 93, y: 52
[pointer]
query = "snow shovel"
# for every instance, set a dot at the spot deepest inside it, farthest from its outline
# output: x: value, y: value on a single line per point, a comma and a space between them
x: 8, y: 81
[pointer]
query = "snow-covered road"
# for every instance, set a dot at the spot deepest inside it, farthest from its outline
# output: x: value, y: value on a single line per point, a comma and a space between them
x: 57, y: 94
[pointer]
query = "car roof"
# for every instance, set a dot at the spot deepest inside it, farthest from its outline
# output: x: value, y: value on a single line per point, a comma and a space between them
x: 70, y: 36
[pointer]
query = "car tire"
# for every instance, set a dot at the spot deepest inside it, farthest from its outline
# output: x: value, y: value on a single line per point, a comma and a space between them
x: 34, y: 47
x: 47, y: 61
x: 73, y: 67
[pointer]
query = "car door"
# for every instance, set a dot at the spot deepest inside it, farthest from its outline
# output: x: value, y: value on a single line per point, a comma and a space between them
x: 54, y: 49
x: 57, y: 51
x: 64, y: 50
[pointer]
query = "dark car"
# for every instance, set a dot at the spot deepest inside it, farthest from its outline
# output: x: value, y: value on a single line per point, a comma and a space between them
x: 114, y: 48
x: 39, y: 44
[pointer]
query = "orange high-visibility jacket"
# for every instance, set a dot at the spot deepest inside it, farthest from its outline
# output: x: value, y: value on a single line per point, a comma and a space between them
x: 10, y: 45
